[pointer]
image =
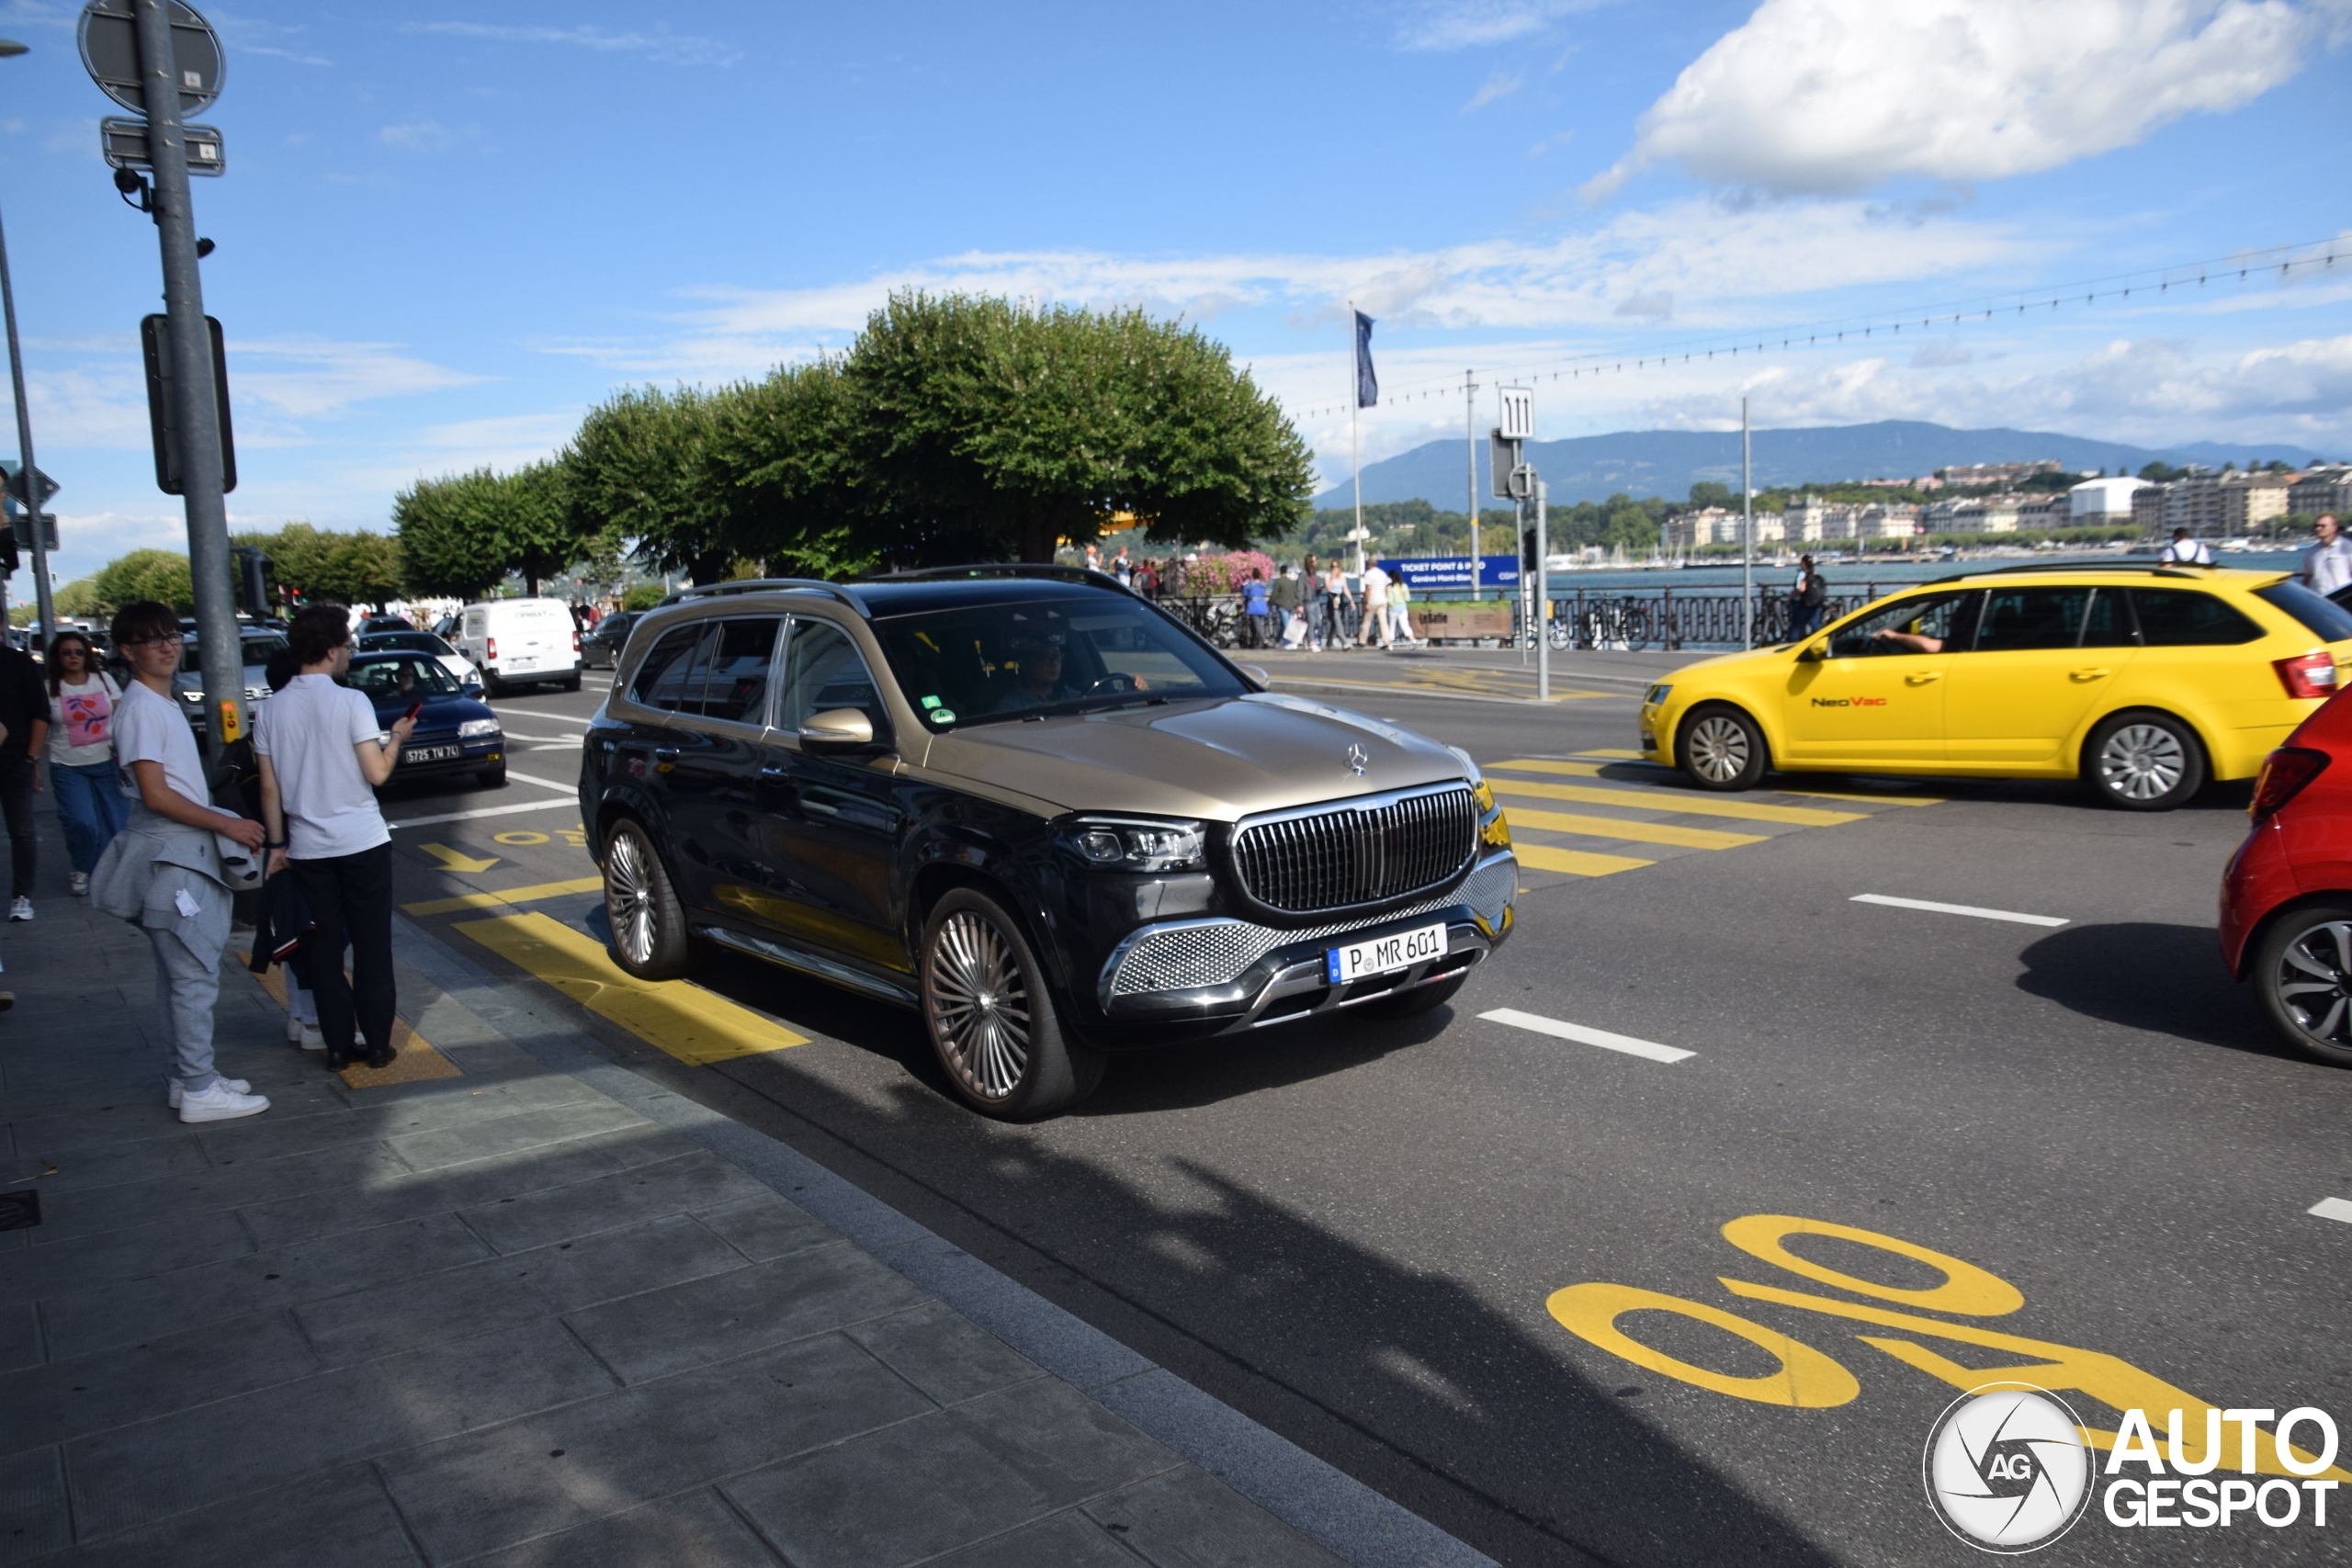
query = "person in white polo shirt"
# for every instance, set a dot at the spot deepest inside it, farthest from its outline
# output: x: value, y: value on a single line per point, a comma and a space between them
x: 322, y: 756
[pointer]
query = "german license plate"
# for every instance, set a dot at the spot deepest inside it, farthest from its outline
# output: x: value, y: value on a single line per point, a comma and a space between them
x: 1383, y: 955
x: 432, y: 753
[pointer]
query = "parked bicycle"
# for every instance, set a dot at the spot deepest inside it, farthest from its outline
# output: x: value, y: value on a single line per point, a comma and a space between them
x: 1614, y: 623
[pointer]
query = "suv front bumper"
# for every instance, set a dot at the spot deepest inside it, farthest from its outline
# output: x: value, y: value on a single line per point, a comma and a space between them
x: 1231, y: 976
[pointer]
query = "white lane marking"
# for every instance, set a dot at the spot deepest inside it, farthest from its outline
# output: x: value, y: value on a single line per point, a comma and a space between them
x: 1584, y: 1036
x: 548, y: 739
x: 1934, y: 908
x: 481, y: 811
x: 2332, y: 1209
x: 579, y: 719
x: 570, y: 789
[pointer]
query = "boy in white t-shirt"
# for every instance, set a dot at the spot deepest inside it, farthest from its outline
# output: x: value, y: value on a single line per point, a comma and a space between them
x: 163, y: 869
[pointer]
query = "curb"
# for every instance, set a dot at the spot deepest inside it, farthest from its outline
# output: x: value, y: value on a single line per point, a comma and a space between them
x: 1321, y: 1501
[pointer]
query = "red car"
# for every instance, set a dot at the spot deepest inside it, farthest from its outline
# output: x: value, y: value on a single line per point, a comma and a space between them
x: 2287, y: 896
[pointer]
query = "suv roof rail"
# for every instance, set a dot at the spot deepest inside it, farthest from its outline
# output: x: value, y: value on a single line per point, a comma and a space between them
x: 2153, y: 568
x: 766, y: 585
x: 1004, y: 568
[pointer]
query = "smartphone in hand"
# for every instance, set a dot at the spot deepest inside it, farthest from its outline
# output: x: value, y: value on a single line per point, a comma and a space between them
x: 414, y: 709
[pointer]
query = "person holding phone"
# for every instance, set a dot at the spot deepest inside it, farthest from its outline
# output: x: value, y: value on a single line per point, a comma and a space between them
x: 322, y: 758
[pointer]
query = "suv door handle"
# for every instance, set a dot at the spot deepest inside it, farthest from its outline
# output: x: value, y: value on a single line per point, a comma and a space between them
x: 2090, y: 675
x: 774, y: 772
x: 665, y: 757
x: 1923, y: 677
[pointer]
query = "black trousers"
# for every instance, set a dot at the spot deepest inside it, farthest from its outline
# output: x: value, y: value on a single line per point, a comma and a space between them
x: 16, y: 780
x: 351, y: 899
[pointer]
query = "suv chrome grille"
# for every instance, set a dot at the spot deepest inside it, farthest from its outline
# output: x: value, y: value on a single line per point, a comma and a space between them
x: 1366, y: 852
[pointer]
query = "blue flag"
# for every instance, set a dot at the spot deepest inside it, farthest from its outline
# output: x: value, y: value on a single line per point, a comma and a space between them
x: 1367, y: 384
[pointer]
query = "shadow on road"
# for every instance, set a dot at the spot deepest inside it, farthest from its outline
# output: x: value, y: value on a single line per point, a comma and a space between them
x: 2161, y: 978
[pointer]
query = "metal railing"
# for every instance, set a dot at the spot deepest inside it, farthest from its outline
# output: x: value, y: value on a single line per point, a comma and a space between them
x: 1595, y: 619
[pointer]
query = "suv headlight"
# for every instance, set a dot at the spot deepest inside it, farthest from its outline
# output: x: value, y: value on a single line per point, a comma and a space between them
x: 1480, y: 791
x: 1140, y: 846
x: 475, y: 729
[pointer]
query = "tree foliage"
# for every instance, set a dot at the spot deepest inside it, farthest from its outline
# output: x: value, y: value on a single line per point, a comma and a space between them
x: 161, y: 575
x: 460, y: 536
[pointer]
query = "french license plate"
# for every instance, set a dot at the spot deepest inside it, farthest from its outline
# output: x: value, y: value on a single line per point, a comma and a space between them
x: 1383, y: 955
x: 432, y: 753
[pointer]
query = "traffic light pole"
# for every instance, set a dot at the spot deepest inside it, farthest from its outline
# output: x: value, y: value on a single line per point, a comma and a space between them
x: 194, y: 410
x: 25, y: 454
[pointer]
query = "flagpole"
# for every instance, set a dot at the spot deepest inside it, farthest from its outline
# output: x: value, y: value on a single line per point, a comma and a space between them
x: 1355, y: 409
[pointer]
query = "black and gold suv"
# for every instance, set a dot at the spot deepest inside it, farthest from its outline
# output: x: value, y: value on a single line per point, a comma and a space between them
x: 1035, y: 808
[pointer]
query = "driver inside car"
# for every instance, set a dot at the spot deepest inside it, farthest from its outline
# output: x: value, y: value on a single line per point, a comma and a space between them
x: 1041, y: 680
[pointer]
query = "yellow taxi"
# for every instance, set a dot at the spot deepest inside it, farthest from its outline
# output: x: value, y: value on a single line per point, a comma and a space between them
x: 2144, y: 680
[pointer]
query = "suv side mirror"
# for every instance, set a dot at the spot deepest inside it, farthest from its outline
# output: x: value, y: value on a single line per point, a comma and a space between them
x: 1257, y: 676
x: 837, y: 729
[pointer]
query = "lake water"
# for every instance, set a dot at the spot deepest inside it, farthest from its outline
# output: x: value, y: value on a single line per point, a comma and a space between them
x: 1886, y: 573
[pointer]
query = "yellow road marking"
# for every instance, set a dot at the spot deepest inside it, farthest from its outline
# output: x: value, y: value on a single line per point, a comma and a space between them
x: 530, y: 895
x: 1606, y: 751
x: 1583, y: 770
x: 1541, y: 765
x: 1692, y: 804
x: 458, y: 860
x: 1574, y: 862
x: 416, y: 1062
x: 690, y: 1023
x: 1628, y: 828
x: 1872, y: 799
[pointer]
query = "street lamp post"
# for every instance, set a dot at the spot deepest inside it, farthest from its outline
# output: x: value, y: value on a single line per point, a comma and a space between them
x: 9, y: 48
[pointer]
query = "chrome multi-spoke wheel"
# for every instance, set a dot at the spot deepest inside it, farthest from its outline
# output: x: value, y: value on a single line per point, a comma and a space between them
x: 1722, y: 748
x: 647, y: 928
x: 979, y: 1007
x: 2142, y: 761
x: 2304, y: 972
x: 991, y: 1015
x: 2145, y: 761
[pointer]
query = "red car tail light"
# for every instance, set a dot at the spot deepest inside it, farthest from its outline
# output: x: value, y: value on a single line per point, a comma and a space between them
x: 2284, y: 774
x: 2310, y: 675
x: 491, y: 646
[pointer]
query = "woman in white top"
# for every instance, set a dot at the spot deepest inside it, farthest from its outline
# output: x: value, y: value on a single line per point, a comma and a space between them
x: 321, y: 755
x: 82, y: 700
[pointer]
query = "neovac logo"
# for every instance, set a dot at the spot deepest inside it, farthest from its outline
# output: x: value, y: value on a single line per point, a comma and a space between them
x: 2006, y: 1467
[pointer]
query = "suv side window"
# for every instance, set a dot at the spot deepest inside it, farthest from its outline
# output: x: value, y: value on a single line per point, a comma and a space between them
x: 2183, y: 617
x: 663, y: 681
x: 2021, y: 618
x: 822, y: 671
x: 737, y: 687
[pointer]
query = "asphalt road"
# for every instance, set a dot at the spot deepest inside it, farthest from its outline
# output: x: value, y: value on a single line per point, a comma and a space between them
x: 1356, y: 1232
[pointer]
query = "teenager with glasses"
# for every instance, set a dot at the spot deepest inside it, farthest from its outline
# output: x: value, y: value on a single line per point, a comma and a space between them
x: 90, y: 803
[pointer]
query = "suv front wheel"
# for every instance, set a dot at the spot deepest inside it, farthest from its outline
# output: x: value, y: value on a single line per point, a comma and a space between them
x: 990, y: 1015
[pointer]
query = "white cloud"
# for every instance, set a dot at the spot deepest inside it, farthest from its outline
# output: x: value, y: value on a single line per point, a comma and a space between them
x: 1440, y: 25
x: 1831, y: 97
x: 1651, y: 307
x: 317, y: 378
x: 1501, y: 85
x: 416, y: 136
x: 660, y: 44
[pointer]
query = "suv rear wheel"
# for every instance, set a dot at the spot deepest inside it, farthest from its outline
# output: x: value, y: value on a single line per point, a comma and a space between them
x: 649, y: 928
x: 990, y: 1015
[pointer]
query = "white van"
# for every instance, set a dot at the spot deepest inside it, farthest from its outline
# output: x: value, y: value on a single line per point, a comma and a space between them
x: 517, y: 642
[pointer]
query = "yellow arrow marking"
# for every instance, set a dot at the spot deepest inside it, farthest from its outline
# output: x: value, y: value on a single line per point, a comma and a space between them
x: 452, y: 861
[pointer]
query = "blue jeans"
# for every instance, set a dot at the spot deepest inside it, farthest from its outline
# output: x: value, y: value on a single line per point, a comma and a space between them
x: 90, y: 808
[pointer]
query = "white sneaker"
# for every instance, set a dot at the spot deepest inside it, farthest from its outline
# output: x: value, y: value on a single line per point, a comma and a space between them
x: 78, y: 884
x: 22, y: 909
x: 220, y: 1103
x: 308, y: 1037
x: 234, y: 1086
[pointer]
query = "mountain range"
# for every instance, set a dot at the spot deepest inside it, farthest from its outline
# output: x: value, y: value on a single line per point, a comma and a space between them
x: 1668, y: 462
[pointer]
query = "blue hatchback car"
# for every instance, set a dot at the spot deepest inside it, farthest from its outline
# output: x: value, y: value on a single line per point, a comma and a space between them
x: 455, y: 731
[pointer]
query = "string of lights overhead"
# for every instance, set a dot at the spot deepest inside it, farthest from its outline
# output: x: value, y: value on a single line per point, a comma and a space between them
x: 2153, y: 284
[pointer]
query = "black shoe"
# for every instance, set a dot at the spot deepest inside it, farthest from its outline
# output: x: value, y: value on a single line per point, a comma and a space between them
x: 381, y: 1059
x: 337, y: 1060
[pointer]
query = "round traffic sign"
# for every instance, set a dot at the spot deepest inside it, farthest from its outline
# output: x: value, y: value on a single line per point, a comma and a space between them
x: 109, y: 36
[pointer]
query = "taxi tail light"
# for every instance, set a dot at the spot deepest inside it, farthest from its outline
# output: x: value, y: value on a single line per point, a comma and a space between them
x: 2285, y: 772
x: 2308, y: 675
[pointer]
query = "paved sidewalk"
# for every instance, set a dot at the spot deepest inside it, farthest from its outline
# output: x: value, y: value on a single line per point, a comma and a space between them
x: 540, y: 1311
x: 1483, y: 674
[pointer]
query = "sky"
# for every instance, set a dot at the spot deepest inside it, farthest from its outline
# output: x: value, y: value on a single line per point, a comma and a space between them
x: 445, y: 230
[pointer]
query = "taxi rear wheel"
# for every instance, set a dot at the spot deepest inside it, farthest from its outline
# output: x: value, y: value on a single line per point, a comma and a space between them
x: 2145, y: 761
x: 1722, y: 748
x: 2304, y: 972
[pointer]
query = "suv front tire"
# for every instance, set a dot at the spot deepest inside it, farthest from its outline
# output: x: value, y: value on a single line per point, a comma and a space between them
x: 990, y: 1015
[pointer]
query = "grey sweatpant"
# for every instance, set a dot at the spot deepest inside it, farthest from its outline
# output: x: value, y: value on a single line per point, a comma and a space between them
x: 186, y: 986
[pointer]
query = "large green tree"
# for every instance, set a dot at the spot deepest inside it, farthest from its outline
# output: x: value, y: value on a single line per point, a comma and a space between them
x: 641, y: 464
x: 461, y: 535
x: 145, y: 574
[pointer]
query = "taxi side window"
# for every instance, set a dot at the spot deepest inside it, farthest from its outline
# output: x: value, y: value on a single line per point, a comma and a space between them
x: 661, y: 681
x: 1948, y: 619
x: 824, y: 671
x: 2022, y: 619
x: 2183, y: 617
x: 2110, y: 623
x: 737, y: 687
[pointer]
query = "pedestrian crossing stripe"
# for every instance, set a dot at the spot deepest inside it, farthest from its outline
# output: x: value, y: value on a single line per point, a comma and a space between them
x: 1870, y: 797
x: 1630, y: 830
x: 1692, y: 805
x: 1574, y: 862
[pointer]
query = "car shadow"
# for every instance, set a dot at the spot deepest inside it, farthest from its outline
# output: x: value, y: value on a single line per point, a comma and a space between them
x: 2166, y: 979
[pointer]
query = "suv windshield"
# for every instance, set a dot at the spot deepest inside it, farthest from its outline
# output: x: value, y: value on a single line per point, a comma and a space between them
x: 980, y: 663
